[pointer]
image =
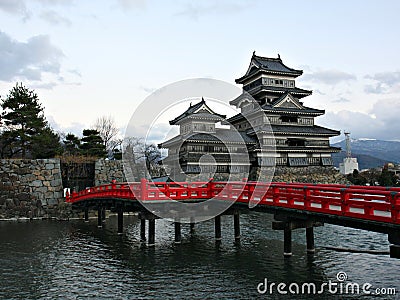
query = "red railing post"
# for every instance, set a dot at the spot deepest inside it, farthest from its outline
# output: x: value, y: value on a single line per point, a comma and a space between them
x: 275, y: 194
x: 143, y: 189
x: 394, y: 211
x: 210, y: 189
x: 307, y: 201
x: 344, y: 196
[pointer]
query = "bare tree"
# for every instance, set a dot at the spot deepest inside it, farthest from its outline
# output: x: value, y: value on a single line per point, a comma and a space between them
x: 108, y: 130
x: 142, y: 158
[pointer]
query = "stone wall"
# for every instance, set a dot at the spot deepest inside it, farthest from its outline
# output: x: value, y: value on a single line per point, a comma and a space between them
x: 30, y: 188
x: 107, y: 170
x: 311, y: 174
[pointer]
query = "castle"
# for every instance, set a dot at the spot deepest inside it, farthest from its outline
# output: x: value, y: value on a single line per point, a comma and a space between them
x: 274, y: 128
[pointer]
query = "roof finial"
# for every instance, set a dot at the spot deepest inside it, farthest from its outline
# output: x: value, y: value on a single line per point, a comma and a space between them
x: 254, y: 52
x: 202, y: 99
x: 279, y: 57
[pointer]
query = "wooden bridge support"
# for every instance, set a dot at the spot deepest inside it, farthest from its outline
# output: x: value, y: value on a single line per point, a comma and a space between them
x: 152, y: 232
x: 143, y: 230
x: 178, y: 235
x: 394, y: 240
x: 86, y: 213
x: 192, y: 225
x: 103, y: 214
x: 287, y: 242
x: 217, y: 226
x: 99, y: 217
x: 287, y: 225
x: 236, y: 225
x: 310, y: 239
x: 120, y: 220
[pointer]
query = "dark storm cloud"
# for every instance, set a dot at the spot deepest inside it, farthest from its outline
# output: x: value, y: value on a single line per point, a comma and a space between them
x: 28, y: 60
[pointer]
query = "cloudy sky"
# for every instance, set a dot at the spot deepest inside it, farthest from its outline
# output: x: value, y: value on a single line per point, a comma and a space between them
x: 87, y: 58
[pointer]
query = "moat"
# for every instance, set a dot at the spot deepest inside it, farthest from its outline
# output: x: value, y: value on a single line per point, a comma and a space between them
x: 77, y: 260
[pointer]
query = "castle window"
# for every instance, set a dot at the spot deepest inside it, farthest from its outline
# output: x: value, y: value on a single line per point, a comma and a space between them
x: 289, y: 119
x: 296, y: 142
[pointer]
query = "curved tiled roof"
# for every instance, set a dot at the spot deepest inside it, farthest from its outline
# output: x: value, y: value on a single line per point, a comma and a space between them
x: 191, y: 111
x: 268, y: 65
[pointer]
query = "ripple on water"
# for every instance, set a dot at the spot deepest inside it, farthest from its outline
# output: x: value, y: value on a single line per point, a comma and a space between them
x: 48, y: 260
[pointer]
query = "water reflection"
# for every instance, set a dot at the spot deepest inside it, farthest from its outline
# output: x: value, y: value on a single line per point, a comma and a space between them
x: 47, y: 260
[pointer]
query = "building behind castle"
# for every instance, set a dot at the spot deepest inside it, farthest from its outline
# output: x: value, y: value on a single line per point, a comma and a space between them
x: 274, y: 127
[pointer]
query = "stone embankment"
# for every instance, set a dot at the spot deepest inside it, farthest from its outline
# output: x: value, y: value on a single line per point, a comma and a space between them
x: 30, y: 188
x: 107, y: 170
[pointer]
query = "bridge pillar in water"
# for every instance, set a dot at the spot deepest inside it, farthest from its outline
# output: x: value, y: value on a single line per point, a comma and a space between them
x: 236, y: 225
x: 103, y: 214
x: 99, y: 217
x: 217, y: 226
x: 287, y: 242
x: 288, y: 224
x: 120, y: 219
x: 394, y: 240
x: 192, y: 225
x: 86, y: 212
x: 142, y: 230
x: 178, y: 235
x: 152, y: 232
x: 310, y: 239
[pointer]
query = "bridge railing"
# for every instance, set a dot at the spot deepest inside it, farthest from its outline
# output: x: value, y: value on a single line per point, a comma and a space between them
x: 364, y: 202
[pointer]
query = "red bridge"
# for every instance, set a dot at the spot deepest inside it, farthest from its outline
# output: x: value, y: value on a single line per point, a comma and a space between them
x: 294, y: 205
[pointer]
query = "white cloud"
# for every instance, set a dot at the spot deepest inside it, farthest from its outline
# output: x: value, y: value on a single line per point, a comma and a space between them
x: 384, y: 82
x: 379, y: 123
x: 196, y: 9
x: 55, y: 18
x: 131, y: 4
x: 329, y: 77
x: 16, y: 7
x: 30, y: 59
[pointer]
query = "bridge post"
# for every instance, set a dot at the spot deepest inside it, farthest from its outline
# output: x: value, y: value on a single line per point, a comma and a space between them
x: 86, y: 211
x: 236, y: 225
x: 394, y: 240
x: 120, y: 219
x: 103, y: 214
x: 217, y: 226
x: 142, y: 230
x: 287, y: 242
x: 152, y: 231
x: 178, y: 235
x: 99, y: 216
x: 310, y: 239
x: 192, y: 225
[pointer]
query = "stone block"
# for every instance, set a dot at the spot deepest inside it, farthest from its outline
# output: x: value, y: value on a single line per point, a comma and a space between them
x: 56, y: 182
x: 36, y: 183
x: 49, y: 166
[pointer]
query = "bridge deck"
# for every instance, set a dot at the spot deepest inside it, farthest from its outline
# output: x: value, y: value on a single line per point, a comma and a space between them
x: 379, y: 205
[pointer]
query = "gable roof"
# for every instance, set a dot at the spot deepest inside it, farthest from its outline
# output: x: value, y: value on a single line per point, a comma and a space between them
x: 199, y: 110
x: 287, y: 101
x: 268, y: 65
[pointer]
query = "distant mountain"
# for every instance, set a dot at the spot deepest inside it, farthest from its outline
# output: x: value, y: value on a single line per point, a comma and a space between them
x: 370, y: 153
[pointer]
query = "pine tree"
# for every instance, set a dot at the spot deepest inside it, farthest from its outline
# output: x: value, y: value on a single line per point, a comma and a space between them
x: 22, y: 121
x: 72, y: 144
x: 92, y: 144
